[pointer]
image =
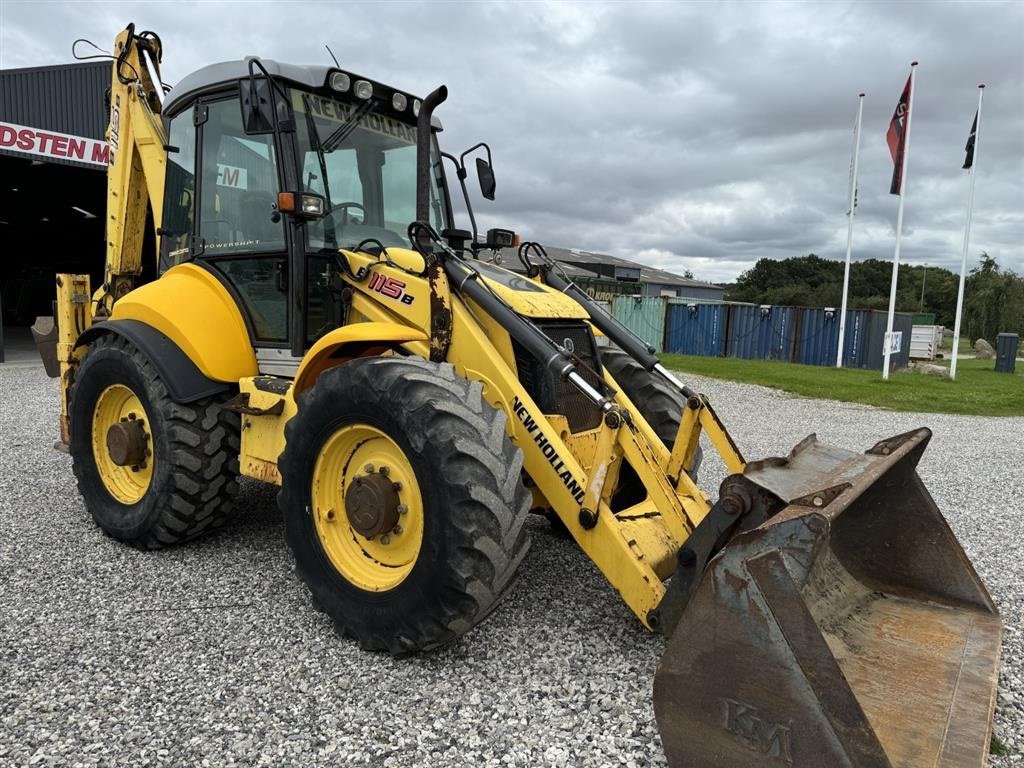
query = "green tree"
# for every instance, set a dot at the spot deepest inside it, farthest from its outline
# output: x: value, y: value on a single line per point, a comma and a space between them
x: 993, y: 301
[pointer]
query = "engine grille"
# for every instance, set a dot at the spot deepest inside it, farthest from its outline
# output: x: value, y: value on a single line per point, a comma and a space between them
x: 553, y: 395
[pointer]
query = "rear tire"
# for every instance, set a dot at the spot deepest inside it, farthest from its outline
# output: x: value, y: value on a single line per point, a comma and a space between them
x: 458, y: 479
x: 187, y: 483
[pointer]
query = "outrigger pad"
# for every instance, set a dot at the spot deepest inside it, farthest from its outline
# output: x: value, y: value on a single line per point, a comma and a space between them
x: 850, y: 629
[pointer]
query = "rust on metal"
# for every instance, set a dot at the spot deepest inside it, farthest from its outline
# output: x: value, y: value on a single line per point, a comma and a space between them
x: 240, y: 404
x: 440, y: 312
x: 127, y: 443
x: 819, y: 499
x: 372, y: 505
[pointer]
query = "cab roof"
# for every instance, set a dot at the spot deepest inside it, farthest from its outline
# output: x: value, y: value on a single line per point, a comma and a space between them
x: 214, y: 76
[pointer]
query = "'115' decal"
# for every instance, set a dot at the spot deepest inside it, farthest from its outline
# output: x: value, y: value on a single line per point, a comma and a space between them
x: 390, y: 287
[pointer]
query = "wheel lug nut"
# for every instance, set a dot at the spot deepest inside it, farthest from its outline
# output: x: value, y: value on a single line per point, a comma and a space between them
x: 132, y: 415
x: 396, y: 486
x: 368, y: 469
x: 402, y: 509
x: 397, y: 530
x: 385, y: 471
x: 385, y: 539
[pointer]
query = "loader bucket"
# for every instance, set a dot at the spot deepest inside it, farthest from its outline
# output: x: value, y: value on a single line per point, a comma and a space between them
x: 848, y: 630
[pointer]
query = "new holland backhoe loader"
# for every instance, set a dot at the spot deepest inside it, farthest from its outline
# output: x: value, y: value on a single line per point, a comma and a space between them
x: 317, y: 322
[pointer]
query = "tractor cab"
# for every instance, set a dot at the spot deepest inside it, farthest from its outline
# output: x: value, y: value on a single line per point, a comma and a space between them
x: 271, y: 169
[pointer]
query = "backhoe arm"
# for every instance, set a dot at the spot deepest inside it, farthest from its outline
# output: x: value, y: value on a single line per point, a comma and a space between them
x: 138, y: 159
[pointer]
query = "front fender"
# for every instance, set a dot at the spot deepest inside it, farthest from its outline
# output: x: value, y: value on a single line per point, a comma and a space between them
x: 350, y: 341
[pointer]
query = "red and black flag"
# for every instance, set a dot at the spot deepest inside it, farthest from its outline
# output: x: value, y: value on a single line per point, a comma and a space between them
x: 969, y: 160
x: 896, y: 138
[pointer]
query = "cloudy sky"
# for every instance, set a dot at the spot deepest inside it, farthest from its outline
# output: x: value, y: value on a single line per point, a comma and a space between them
x: 696, y: 136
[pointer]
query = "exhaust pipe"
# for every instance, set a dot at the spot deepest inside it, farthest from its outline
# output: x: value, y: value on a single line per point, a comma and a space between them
x: 423, y: 134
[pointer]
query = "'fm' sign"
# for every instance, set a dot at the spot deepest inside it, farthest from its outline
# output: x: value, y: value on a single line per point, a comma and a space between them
x: 34, y: 141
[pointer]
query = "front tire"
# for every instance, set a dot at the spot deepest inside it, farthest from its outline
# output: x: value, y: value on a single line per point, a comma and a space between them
x: 660, y: 404
x: 180, y: 478
x: 408, y: 558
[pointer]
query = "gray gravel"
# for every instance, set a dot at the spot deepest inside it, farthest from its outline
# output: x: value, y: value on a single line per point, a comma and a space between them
x: 210, y: 654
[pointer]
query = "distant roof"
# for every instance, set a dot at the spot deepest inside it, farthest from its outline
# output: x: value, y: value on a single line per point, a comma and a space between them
x: 647, y: 274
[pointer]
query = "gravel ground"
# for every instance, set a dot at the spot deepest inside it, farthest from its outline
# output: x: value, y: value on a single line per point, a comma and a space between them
x: 210, y: 654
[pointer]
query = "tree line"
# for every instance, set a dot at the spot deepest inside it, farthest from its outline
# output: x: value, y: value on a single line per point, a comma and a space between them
x: 993, y: 297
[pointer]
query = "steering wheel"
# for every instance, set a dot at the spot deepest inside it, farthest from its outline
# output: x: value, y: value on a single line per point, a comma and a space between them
x: 344, y: 207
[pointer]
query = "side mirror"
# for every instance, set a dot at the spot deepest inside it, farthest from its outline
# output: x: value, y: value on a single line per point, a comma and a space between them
x: 486, y: 175
x: 257, y: 106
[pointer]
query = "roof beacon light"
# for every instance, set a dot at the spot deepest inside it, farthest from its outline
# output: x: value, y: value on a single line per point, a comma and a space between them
x: 399, y: 102
x: 340, y: 81
x: 363, y: 89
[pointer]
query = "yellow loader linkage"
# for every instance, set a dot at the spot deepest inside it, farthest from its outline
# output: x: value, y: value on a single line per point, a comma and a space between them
x: 318, y: 323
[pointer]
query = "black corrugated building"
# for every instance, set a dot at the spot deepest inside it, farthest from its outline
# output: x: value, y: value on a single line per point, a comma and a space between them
x: 52, y: 181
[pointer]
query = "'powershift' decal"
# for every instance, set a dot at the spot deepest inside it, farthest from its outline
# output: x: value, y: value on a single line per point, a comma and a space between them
x: 549, y: 451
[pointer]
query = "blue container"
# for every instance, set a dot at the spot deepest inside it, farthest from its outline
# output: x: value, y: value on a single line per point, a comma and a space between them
x: 644, y: 316
x: 818, y: 336
x: 761, y: 332
x: 855, y: 340
x: 874, y: 355
x: 695, y: 329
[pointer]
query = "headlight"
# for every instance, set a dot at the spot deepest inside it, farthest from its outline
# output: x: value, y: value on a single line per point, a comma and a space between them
x: 415, y: 107
x: 399, y: 102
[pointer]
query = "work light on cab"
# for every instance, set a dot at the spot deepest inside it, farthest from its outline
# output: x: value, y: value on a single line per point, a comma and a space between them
x: 340, y: 82
x: 363, y: 89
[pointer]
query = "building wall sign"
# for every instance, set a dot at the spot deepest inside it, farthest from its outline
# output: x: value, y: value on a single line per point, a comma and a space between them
x: 36, y: 141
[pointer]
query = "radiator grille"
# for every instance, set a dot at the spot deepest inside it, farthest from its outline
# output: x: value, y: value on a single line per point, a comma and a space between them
x: 554, y: 395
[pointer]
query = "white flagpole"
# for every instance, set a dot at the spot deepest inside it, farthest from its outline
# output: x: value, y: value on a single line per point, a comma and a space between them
x: 967, y: 237
x: 849, y: 231
x: 899, y: 228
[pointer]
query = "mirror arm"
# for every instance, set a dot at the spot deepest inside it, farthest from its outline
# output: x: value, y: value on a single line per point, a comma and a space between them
x: 462, y: 157
x: 460, y: 171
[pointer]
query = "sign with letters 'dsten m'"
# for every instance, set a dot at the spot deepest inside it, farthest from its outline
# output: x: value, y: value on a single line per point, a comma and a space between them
x: 43, y: 143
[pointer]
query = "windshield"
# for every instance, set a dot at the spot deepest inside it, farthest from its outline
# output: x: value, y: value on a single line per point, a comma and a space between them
x: 363, y: 162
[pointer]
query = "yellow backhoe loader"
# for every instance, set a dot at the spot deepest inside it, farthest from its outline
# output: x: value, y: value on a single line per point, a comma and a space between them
x: 313, y: 319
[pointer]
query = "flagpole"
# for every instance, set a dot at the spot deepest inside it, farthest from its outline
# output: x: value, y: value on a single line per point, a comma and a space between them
x: 967, y: 237
x: 899, y: 227
x: 849, y: 231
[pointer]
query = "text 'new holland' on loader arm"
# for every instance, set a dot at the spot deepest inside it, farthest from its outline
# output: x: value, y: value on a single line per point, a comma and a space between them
x: 305, y: 324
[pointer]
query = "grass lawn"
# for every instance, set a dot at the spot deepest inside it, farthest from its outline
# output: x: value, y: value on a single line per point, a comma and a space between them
x: 978, y: 390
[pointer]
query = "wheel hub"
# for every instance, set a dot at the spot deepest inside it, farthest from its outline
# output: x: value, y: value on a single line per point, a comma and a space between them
x: 127, y: 443
x: 372, y: 505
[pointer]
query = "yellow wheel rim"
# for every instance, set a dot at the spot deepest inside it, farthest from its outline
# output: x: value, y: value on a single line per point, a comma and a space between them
x: 383, y: 561
x: 117, y: 404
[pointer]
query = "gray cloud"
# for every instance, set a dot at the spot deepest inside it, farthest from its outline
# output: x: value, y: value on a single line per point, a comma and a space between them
x: 700, y: 136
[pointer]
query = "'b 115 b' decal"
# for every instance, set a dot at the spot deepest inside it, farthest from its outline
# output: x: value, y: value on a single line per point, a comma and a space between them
x: 390, y: 287
x: 549, y: 451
